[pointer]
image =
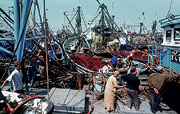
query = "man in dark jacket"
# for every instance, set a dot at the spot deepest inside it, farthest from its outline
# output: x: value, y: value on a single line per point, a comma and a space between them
x: 132, y: 88
x: 114, y: 61
x: 157, y: 82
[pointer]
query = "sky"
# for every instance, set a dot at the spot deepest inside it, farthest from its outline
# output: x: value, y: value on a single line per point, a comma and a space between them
x: 126, y: 11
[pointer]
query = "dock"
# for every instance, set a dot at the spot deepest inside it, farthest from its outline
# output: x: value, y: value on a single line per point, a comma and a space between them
x: 144, y: 109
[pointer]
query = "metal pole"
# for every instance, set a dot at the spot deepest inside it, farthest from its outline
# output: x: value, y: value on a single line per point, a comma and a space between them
x: 23, y: 28
x: 152, y: 55
x: 42, y: 26
x: 170, y: 56
x: 148, y: 54
x: 160, y: 56
x: 16, y: 22
x: 46, y: 50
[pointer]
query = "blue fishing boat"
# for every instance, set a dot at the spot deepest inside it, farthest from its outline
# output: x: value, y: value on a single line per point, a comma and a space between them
x: 171, y: 42
x: 168, y: 52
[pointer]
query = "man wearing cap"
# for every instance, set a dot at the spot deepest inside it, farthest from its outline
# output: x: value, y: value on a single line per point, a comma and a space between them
x: 16, y: 78
x: 110, y: 92
x: 157, y: 82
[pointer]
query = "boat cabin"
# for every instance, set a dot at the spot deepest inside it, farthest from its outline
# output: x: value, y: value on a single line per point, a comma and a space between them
x: 171, y: 35
x: 171, y: 26
x: 171, y: 42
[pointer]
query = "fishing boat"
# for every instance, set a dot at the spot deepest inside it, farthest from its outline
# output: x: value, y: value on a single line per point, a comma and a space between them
x: 169, y: 50
x: 171, y: 41
x: 79, y: 47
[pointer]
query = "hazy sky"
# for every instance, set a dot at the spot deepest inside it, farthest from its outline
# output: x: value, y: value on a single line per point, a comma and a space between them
x: 126, y: 11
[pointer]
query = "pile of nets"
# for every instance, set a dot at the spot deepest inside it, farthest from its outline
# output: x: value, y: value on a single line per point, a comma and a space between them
x: 88, y: 61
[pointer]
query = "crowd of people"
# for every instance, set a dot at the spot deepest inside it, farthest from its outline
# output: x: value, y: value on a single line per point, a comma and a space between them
x: 156, y: 82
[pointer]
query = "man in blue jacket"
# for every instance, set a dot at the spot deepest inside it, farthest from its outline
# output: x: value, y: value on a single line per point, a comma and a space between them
x: 114, y: 61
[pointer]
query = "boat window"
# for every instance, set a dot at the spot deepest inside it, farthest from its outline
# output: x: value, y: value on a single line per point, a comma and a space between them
x: 168, y: 36
x: 177, y: 34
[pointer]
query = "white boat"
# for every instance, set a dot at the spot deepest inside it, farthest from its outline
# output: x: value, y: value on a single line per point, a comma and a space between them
x: 169, y: 50
x: 171, y: 42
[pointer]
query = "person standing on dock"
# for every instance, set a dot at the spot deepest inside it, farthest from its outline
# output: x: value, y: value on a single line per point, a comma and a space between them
x: 16, y: 78
x: 157, y: 82
x: 110, y: 92
x: 132, y: 88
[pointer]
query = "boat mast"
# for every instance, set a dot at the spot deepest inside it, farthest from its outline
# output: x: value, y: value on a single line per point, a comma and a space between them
x: 102, y: 20
x: 46, y: 48
x: 78, y: 22
x: 113, y: 16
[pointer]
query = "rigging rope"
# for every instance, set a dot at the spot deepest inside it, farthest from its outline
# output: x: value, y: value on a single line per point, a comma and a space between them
x: 84, y: 20
x: 169, y: 8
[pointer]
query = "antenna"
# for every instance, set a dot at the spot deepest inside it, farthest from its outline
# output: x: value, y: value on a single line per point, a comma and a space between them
x: 156, y: 15
x: 78, y: 2
x: 113, y: 7
x: 169, y: 8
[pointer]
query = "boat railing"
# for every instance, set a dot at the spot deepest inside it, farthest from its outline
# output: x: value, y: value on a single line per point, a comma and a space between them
x: 157, y: 50
x: 170, y: 19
